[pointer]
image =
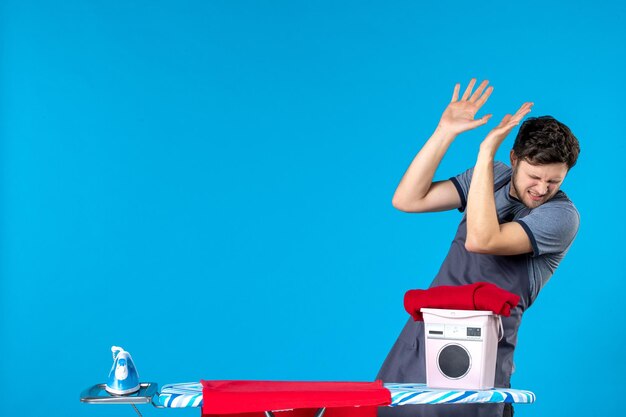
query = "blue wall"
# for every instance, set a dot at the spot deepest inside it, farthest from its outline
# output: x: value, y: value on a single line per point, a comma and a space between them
x: 208, y: 184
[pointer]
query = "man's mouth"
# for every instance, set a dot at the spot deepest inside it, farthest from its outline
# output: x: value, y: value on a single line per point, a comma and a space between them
x: 536, y: 197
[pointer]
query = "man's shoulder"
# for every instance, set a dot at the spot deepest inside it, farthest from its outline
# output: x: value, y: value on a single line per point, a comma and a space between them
x: 552, y: 226
x: 501, y: 172
x: 560, y: 206
x: 561, y: 199
x: 499, y: 165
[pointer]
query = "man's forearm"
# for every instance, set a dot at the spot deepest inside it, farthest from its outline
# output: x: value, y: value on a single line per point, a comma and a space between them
x: 419, y: 176
x: 482, y: 217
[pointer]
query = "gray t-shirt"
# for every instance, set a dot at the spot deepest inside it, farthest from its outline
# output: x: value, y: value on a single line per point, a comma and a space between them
x: 551, y: 227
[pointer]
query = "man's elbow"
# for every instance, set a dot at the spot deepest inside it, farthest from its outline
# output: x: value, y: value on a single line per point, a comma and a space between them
x: 476, y: 245
x: 406, y: 206
x: 401, y: 204
x: 398, y: 204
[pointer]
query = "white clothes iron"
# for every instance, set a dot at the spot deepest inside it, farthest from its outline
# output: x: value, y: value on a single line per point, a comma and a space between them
x: 123, y: 377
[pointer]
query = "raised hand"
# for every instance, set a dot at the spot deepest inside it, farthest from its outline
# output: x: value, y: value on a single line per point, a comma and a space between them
x: 459, y: 115
x: 494, y: 139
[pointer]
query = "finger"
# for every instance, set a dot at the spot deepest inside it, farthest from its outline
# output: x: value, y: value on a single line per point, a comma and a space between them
x: 469, y: 88
x: 483, y: 99
x: 523, y: 111
x: 455, y: 94
x: 478, y: 91
x: 505, y: 120
x: 479, y: 122
x: 504, y: 128
x: 525, y: 107
x: 512, y: 123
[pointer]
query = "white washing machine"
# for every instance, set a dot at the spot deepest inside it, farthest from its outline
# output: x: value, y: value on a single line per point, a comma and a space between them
x: 461, y: 348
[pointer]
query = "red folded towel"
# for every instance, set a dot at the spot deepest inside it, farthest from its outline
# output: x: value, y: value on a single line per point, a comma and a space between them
x: 478, y: 296
x: 236, y: 397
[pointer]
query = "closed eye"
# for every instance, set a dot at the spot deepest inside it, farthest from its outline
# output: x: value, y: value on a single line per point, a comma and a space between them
x: 551, y: 181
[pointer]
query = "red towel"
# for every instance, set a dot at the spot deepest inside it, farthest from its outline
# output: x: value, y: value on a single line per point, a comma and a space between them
x: 478, y: 296
x: 342, y: 399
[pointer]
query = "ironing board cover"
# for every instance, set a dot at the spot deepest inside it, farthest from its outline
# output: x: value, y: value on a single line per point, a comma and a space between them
x: 237, y: 397
x: 189, y: 394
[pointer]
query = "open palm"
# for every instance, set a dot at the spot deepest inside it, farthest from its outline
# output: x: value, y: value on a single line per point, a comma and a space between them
x: 459, y: 115
x: 495, y: 137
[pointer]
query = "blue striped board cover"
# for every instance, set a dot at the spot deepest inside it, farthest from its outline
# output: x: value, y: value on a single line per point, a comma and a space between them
x: 189, y: 394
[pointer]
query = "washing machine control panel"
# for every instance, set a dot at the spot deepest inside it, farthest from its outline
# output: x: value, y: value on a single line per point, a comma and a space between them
x: 454, y: 331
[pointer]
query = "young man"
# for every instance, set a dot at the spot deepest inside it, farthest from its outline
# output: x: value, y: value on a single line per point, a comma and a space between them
x: 516, y: 229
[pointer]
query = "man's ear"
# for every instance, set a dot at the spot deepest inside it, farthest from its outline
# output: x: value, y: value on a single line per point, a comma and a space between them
x: 513, y: 159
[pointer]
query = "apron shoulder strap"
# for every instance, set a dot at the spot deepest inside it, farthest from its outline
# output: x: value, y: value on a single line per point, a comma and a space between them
x: 504, y: 181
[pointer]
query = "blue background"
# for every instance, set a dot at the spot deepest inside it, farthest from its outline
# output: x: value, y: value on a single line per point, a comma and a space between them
x: 208, y: 184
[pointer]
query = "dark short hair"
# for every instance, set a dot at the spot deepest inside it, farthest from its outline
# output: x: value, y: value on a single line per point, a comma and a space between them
x: 545, y: 140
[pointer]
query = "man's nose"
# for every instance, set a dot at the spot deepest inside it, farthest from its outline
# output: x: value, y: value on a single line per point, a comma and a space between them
x: 542, y: 188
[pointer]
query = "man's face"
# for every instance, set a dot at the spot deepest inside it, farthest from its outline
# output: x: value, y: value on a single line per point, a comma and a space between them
x: 533, y: 185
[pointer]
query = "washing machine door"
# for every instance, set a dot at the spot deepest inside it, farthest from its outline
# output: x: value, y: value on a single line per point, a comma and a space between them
x: 454, y: 361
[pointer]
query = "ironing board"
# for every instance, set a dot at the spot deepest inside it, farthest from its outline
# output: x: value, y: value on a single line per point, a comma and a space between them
x: 189, y: 394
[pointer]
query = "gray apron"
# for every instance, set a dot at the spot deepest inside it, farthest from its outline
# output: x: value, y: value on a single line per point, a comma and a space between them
x: 406, y: 361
